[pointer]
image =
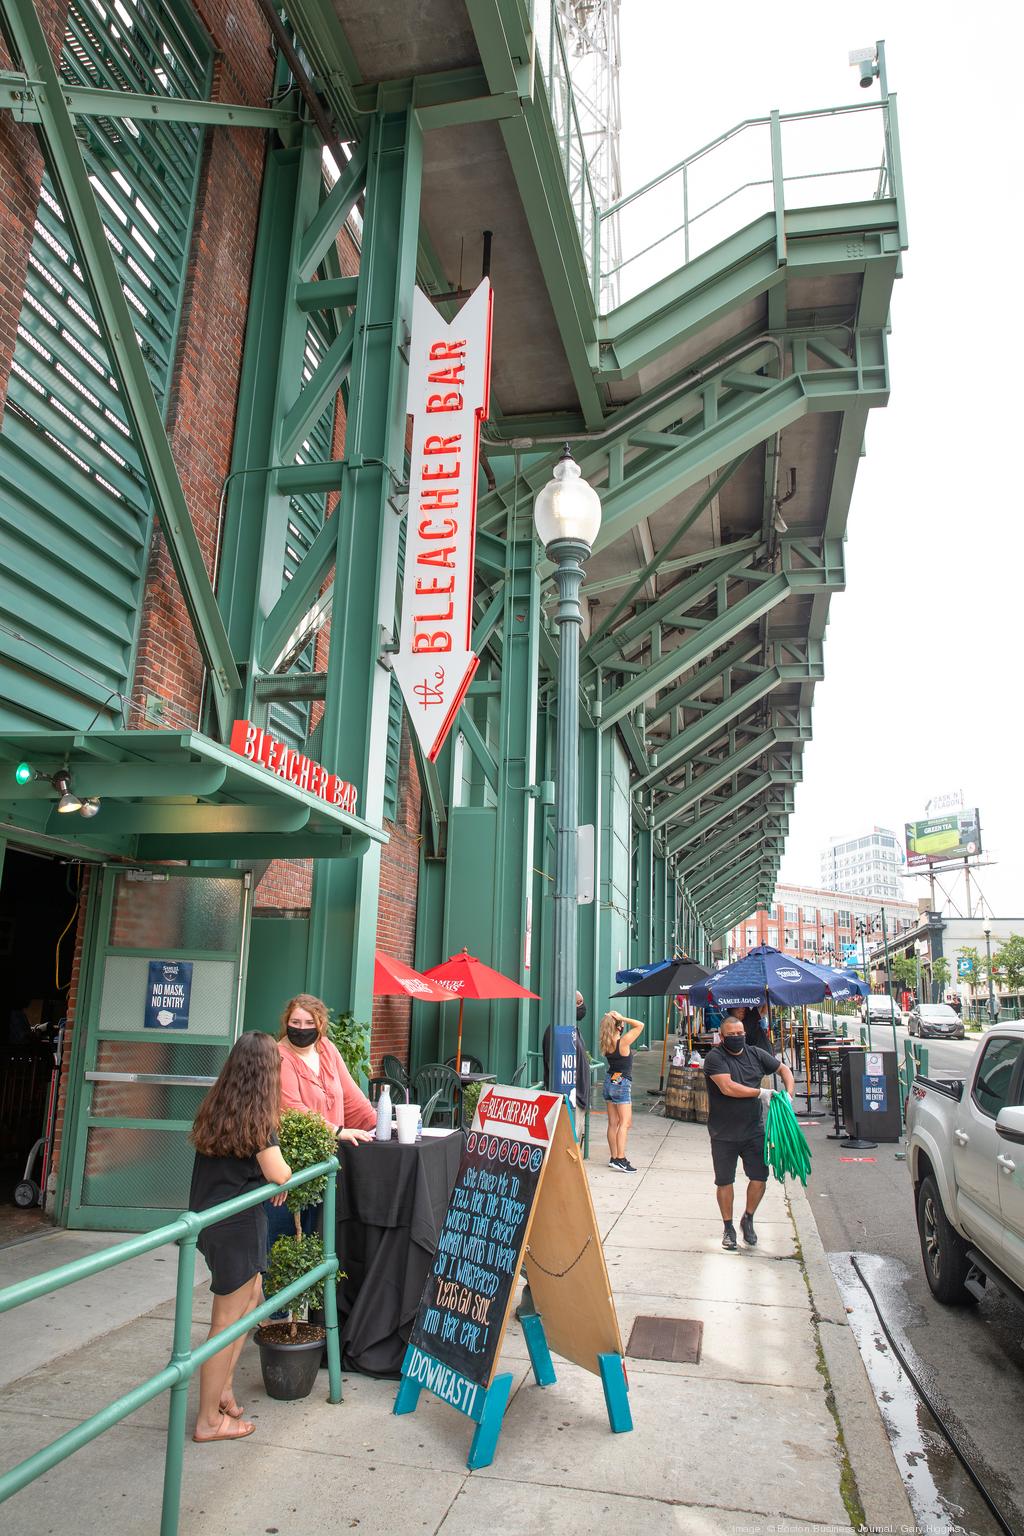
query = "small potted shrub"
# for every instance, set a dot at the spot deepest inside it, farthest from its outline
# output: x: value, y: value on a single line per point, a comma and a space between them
x: 470, y: 1098
x: 290, y: 1351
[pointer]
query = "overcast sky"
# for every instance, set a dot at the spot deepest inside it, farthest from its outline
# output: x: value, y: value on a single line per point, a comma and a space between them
x: 922, y: 692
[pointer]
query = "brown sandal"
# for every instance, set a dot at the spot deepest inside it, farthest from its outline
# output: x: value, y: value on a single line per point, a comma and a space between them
x: 233, y: 1430
x: 239, y: 1413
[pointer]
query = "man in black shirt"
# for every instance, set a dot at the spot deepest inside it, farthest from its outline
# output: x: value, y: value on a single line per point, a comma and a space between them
x: 734, y: 1071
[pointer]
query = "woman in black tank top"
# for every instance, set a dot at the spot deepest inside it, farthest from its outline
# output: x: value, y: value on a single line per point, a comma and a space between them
x: 617, y: 1035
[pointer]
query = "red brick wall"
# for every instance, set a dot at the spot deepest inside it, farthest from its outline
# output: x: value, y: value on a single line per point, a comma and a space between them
x: 396, y: 919
x: 203, y: 396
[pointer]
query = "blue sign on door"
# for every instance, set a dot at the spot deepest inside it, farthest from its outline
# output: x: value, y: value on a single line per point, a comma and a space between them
x: 168, y: 994
x: 874, y: 1094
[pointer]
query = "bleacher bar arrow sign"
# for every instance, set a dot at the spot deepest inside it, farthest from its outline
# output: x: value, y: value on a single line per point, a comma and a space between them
x: 449, y: 386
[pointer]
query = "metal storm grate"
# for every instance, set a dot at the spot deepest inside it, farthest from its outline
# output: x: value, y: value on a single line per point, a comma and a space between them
x: 72, y: 492
x: 677, y: 1339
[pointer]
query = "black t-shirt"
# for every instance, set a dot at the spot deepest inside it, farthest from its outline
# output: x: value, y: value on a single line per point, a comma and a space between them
x: 216, y: 1179
x: 736, y: 1119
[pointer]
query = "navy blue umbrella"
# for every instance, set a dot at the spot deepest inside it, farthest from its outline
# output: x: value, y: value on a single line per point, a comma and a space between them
x: 764, y: 974
x: 841, y: 984
x: 662, y: 978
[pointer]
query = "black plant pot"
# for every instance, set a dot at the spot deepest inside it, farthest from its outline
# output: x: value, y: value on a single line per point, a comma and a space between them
x: 289, y: 1369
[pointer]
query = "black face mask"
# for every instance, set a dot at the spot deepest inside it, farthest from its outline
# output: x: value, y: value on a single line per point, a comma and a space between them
x: 734, y: 1043
x: 581, y: 1012
x: 303, y: 1037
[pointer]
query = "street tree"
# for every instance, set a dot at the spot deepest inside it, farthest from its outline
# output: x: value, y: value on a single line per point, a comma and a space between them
x: 971, y: 968
x: 1009, y: 961
x: 940, y: 973
x: 904, y: 971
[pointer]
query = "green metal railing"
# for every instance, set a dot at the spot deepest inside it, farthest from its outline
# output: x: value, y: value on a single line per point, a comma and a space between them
x: 743, y: 173
x: 185, y: 1360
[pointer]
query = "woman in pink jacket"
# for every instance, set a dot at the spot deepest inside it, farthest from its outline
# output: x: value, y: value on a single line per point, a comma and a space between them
x: 314, y: 1077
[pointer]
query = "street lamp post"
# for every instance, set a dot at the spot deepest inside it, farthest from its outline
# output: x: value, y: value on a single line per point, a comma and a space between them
x: 987, y: 930
x: 567, y: 514
x: 867, y: 978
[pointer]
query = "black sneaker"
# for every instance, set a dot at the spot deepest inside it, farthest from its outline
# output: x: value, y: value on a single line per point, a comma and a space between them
x: 747, y: 1228
x: 627, y: 1166
x: 729, y: 1237
x: 618, y: 1163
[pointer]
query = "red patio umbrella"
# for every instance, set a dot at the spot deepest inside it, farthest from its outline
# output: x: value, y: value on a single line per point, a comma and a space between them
x: 464, y: 976
x: 393, y: 979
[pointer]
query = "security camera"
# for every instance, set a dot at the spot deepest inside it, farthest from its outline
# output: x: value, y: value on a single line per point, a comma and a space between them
x: 866, y: 61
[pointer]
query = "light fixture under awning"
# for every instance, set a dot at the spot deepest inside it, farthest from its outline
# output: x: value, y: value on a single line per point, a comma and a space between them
x: 173, y: 795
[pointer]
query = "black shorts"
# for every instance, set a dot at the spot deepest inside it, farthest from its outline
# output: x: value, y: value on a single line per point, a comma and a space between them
x: 235, y: 1250
x: 724, y: 1155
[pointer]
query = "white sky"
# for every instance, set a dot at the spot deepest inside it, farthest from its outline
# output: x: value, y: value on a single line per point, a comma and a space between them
x: 922, y: 692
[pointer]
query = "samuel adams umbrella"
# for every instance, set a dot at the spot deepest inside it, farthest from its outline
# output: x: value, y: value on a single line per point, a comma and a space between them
x: 463, y: 976
x: 765, y: 974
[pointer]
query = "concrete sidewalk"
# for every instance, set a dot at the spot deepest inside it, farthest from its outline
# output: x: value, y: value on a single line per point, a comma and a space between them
x: 750, y: 1440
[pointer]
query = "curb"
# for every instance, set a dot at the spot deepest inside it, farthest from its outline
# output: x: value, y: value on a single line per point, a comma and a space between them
x: 882, y: 1494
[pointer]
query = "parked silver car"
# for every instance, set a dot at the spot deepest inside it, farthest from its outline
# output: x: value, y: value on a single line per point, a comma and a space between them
x: 936, y: 1019
x: 877, y: 1009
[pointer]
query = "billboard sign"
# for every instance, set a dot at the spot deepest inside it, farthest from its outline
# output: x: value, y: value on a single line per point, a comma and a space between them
x: 954, y: 836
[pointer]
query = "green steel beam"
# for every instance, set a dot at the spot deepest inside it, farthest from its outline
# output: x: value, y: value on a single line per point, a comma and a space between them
x: 506, y: 47
x: 332, y: 369
x: 448, y: 98
x: 639, y: 579
x: 346, y: 894
x: 742, y: 651
x: 719, y: 913
x: 679, y: 599
x: 764, y: 841
x: 326, y: 224
x: 328, y: 293
x: 723, y: 879
x: 761, y: 600
x: 62, y: 153
x: 719, y: 810
x: 25, y: 99
x: 738, y: 828
x: 433, y: 799
x: 478, y: 746
x: 742, y: 421
x: 701, y: 730
x: 713, y: 777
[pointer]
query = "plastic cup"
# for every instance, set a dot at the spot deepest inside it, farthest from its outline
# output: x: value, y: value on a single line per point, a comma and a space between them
x: 408, y: 1116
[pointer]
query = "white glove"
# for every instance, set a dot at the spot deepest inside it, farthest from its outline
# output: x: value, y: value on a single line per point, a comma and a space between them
x: 765, y: 1096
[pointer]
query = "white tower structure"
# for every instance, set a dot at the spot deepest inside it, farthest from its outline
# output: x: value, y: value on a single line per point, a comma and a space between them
x: 590, y: 136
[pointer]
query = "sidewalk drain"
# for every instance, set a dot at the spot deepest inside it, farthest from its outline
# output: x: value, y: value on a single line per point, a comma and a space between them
x: 677, y: 1339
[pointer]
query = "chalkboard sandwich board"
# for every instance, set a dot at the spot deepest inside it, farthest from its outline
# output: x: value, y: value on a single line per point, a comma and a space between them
x: 521, y: 1195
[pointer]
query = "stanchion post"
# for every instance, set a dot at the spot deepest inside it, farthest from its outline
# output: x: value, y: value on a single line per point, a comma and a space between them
x: 807, y: 1059
x: 177, y: 1409
x: 331, y: 1289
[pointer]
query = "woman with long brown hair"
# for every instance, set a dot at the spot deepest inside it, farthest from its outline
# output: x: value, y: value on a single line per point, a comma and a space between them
x: 235, y: 1137
x: 617, y: 1035
x: 313, y: 1074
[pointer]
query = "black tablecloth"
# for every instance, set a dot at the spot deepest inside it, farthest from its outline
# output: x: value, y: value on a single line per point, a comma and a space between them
x: 392, y: 1201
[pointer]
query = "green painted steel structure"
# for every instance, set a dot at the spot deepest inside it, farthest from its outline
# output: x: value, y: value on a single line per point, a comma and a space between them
x: 747, y: 362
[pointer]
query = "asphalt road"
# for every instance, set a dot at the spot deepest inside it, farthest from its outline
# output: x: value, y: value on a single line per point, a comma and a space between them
x: 970, y: 1360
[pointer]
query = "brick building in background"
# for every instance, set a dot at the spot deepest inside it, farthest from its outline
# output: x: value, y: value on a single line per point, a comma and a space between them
x: 818, y: 925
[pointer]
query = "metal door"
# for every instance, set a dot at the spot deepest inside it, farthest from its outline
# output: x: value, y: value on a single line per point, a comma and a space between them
x: 145, y: 1068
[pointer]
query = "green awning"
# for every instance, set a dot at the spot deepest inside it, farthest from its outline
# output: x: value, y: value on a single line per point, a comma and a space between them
x: 170, y: 795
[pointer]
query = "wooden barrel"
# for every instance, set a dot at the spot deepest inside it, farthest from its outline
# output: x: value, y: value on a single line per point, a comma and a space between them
x: 679, y: 1094
x: 700, y: 1095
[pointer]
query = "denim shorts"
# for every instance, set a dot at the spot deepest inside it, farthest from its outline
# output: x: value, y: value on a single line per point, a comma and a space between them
x: 618, y: 1093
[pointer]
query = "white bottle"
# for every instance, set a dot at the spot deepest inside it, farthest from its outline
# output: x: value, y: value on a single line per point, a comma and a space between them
x: 384, y: 1114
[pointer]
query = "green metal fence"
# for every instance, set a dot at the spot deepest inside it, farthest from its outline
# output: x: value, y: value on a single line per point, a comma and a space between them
x: 185, y: 1360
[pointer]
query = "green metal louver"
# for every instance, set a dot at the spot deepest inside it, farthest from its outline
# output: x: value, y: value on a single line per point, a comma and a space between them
x: 75, y: 512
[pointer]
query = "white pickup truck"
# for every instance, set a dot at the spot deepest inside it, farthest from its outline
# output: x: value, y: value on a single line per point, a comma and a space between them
x: 965, y: 1152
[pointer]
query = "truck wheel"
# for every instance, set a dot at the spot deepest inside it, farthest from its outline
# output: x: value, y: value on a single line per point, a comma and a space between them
x: 943, y: 1250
